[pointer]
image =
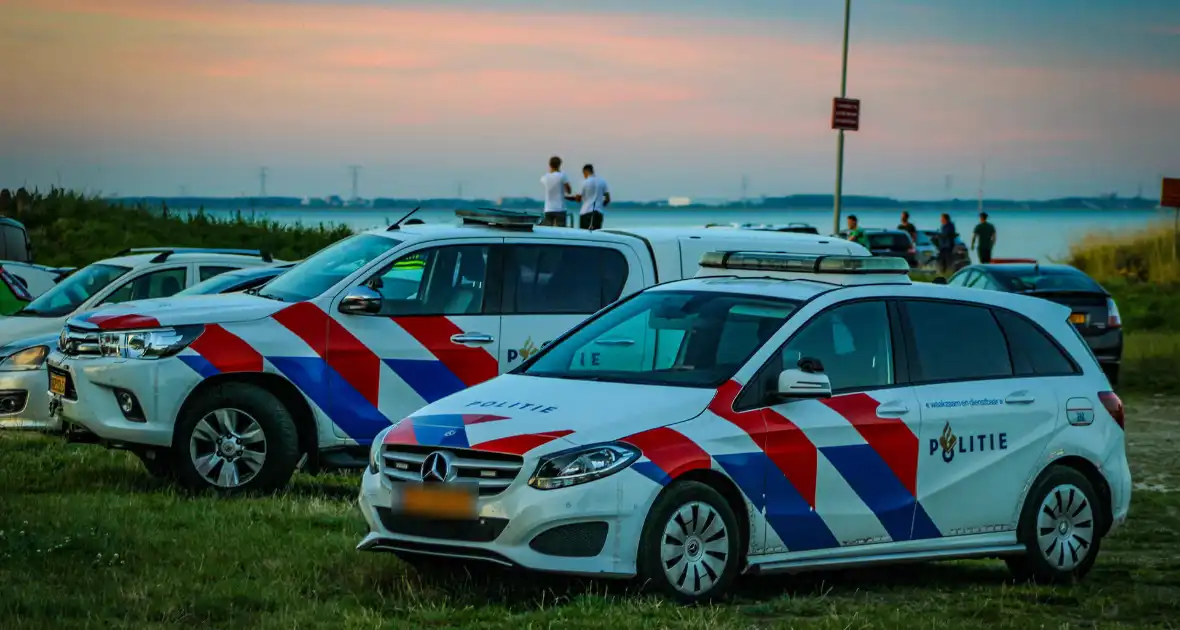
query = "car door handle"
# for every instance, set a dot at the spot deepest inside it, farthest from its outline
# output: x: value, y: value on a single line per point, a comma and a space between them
x: 892, y: 410
x: 1020, y: 398
x: 473, y: 337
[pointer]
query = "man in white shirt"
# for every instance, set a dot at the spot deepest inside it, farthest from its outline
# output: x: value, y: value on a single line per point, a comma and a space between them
x: 557, y: 190
x: 595, y: 198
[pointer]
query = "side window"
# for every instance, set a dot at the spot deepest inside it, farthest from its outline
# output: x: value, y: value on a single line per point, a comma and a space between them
x: 209, y: 272
x: 852, y: 341
x: 554, y: 279
x: 440, y: 281
x: 957, y: 342
x: 1033, y: 352
x: 962, y: 279
x: 987, y: 283
x: 157, y: 284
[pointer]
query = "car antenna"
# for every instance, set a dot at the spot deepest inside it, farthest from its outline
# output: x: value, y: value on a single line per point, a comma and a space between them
x: 399, y: 221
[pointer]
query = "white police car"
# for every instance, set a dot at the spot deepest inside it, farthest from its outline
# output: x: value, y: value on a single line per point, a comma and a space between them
x: 776, y: 413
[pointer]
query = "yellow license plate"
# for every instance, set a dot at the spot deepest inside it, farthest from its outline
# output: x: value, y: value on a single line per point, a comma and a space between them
x: 435, y: 500
x: 57, y: 384
x: 1077, y: 318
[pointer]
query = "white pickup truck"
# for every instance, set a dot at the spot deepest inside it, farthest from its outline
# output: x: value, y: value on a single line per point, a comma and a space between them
x: 234, y: 392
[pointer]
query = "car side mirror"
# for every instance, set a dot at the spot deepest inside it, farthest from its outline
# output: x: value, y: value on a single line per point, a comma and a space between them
x: 803, y: 384
x: 938, y: 280
x: 361, y: 300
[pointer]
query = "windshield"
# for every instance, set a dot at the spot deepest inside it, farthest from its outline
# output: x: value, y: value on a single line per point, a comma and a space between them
x: 328, y: 266
x: 65, y: 297
x: 1047, y: 280
x: 679, y: 338
x: 222, y: 283
x: 889, y: 241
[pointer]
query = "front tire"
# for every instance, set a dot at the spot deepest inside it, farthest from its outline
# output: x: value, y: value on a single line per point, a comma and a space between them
x: 1059, y: 526
x: 235, y: 438
x: 690, y: 547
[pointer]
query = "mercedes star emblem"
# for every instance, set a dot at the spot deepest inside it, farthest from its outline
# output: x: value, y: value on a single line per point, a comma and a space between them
x: 437, y: 467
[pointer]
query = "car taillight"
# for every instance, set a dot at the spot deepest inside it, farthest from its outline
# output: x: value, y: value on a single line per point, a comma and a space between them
x: 1114, y: 406
x: 1113, y: 320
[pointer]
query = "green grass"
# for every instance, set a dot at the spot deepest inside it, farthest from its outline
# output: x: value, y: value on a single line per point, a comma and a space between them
x: 89, y: 540
x: 1147, y: 256
x: 70, y: 229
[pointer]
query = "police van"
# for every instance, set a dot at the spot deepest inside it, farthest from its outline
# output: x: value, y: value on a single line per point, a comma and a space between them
x: 777, y: 413
x: 233, y: 391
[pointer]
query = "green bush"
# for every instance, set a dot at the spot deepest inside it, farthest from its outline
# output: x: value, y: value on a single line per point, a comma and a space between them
x: 70, y: 229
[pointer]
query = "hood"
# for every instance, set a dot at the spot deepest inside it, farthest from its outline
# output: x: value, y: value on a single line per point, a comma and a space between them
x: 28, y: 342
x: 179, y: 311
x: 516, y: 414
x: 16, y: 329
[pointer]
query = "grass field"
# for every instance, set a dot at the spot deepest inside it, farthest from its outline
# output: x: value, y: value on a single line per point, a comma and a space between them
x: 88, y: 540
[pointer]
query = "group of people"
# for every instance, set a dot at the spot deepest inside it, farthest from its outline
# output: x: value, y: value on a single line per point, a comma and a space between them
x: 595, y: 196
x: 983, y: 237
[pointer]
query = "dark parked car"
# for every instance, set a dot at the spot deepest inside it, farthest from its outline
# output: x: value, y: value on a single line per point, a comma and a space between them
x: 14, y: 241
x: 237, y: 280
x: 1094, y: 312
x: 961, y: 257
x: 896, y: 243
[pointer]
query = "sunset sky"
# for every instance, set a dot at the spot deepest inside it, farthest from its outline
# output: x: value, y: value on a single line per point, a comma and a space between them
x: 666, y: 98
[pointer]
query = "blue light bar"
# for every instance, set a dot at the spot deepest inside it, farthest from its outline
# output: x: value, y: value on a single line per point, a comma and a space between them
x: 804, y: 263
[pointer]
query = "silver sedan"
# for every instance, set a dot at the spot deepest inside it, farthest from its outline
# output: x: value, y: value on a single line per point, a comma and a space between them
x: 24, y: 384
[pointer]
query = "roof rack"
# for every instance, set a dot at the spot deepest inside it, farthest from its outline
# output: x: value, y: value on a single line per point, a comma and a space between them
x: 165, y: 252
x: 499, y: 217
x: 834, y: 269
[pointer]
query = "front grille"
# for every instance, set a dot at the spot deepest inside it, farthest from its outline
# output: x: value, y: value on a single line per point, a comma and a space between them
x: 494, y: 472
x: 577, y: 540
x: 485, y: 529
x: 71, y: 393
x: 75, y: 342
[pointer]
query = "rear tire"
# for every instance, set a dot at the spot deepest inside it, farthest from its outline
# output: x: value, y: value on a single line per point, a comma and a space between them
x: 235, y: 438
x: 1059, y: 527
x: 690, y: 547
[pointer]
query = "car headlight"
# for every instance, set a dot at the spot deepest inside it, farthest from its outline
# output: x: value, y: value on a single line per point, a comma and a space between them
x: 375, y: 449
x: 28, y: 359
x: 583, y: 464
x: 147, y: 344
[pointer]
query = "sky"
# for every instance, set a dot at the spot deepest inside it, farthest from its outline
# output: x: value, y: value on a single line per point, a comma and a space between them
x: 666, y: 98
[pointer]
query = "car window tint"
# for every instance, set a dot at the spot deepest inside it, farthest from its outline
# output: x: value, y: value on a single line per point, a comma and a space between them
x: 1033, y: 352
x: 957, y: 342
x: 440, y: 281
x: 210, y: 272
x: 851, y: 341
x: 562, y: 279
x: 13, y: 243
x: 963, y: 278
x: 157, y: 284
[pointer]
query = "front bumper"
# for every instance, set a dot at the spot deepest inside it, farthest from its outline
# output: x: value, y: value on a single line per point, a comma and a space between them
x: 598, y: 526
x: 159, y: 388
x: 24, y: 401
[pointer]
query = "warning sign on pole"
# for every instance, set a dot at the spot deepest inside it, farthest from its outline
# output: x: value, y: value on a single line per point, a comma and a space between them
x: 846, y: 114
x: 1170, y: 195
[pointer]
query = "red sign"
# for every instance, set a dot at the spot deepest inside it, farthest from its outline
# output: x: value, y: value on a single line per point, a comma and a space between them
x: 846, y: 114
x: 1170, y: 196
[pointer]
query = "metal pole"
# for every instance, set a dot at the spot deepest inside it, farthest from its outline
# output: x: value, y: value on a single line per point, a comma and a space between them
x: 840, y: 137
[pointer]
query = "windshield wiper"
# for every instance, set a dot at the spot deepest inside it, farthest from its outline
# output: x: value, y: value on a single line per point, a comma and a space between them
x: 31, y: 312
x: 270, y: 296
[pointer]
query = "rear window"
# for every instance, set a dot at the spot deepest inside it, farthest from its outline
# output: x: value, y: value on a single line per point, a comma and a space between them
x: 1046, y: 280
x: 888, y: 241
x: 13, y: 244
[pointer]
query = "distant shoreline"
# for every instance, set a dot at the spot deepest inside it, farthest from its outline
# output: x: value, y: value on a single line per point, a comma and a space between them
x: 801, y: 202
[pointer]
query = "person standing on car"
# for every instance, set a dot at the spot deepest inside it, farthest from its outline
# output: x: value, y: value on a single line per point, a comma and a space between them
x: 856, y: 234
x: 986, y: 234
x: 908, y: 227
x: 557, y: 190
x: 595, y: 197
x: 946, y: 244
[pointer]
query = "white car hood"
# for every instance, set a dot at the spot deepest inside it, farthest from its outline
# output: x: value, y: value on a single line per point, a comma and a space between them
x: 518, y: 414
x: 179, y: 311
x: 17, y: 328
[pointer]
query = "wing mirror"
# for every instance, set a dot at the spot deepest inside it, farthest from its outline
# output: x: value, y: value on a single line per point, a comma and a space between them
x: 938, y: 280
x: 361, y: 300
x: 806, y: 381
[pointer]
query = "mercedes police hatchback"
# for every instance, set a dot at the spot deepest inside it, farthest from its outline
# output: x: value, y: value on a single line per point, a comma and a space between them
x: 775, y: 413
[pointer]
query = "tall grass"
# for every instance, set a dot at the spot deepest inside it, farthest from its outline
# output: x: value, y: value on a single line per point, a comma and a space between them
x: 1145, y: 256
x: 71, y: 229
